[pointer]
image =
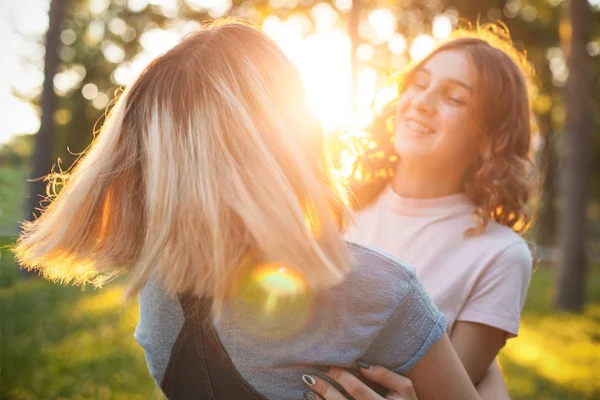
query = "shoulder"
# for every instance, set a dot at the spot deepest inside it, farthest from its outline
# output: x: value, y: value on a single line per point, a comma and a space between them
x: 384, y: 277
x: 498, y: 244
x: 369, y: 259
x: 510, y: 247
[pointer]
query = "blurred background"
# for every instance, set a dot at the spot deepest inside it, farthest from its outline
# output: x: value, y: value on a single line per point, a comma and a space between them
x: 63, y: 61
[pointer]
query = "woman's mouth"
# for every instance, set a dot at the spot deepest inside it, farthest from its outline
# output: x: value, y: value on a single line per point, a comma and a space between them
x: 417, y: 127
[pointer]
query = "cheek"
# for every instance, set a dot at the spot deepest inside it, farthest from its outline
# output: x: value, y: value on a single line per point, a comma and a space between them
x: 403, y: 104
x: 460, y: 129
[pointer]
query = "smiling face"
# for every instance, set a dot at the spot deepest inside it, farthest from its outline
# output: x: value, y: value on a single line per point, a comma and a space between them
x: 435, y: 125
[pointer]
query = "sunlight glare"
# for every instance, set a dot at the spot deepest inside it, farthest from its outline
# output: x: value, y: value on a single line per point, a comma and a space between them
x: 384, y: 96
x: 397, y: 44
x: 383, y: 23
x: 137, y: 5
x: 365, y: 52
x: 421, y: 46
x: 98, y: 6
x: 442, y: 27
x: 323, y: 60
x: 324, y: 16
x: 65, y: 81
x: 157, y: 41
x: 343, y: 5
x: 112, y: 52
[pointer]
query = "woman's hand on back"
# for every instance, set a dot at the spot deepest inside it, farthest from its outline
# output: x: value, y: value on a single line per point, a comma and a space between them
x: 400, y: 387
x: 438, y: 375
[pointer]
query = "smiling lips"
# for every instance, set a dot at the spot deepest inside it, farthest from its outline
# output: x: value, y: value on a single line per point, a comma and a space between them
x: 417, y: 128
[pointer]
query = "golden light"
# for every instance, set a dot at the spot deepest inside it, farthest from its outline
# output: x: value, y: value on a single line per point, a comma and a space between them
x: 112, y: 52
x: 274, y: 294
x: 117, y: 26
x: 323, y: 60
x: 383, y: 23
x: 324, y: 16
x: 397, y: 44
x: 100, y: 101
x: 136, y: 5
x: 384, y: 96
x: 216, y: 8
x: 343, y: 5
x: 89, y: 91
x: 421, y: 46
x: 94, y: 33
x: 98, y: 6
x: 442, y: 27
x: 365, y: 52
x: 277, y: 281
x: 319, y: 46
x: 367, y: 79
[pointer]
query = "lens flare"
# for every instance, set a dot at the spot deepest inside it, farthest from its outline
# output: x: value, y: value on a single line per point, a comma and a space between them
x: 277, y: 281
x: 270, y: 300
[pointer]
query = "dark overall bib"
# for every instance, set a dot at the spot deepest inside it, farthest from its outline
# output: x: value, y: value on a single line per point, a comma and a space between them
x: 199, y: 367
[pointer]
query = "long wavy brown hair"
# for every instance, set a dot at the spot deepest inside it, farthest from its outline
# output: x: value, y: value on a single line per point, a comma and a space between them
x: 500, y: 180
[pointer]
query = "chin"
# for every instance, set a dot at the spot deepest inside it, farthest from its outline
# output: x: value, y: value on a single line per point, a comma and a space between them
x: 405, y: 149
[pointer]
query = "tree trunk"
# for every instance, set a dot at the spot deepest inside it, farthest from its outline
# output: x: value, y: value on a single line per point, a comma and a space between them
x: 571, y: 285
x: 42, y: 155
x: 547, y: 215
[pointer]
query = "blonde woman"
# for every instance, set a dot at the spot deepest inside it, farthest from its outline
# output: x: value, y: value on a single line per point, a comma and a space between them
x: 208, y: 185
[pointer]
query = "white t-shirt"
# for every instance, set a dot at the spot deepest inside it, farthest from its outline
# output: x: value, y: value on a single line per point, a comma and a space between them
x: 482, y: 279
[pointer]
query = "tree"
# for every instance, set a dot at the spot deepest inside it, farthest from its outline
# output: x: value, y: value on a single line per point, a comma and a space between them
x: 571, y: 283
x: 44, y: 139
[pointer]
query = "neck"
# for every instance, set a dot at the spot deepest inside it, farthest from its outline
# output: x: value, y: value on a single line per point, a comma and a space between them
x: 422, y: 183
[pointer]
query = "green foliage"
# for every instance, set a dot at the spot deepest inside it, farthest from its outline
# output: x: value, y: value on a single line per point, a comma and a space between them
x: 17, y: 151
x: 12, y: 193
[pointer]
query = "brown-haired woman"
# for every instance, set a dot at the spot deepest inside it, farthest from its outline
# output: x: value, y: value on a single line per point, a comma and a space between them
x: 446, y: 189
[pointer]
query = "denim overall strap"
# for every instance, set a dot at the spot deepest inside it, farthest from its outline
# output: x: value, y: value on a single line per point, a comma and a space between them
x: 199, y: 366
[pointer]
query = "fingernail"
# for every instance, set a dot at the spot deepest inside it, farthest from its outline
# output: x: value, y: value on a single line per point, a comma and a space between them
x: 324, y: 368
x: 309, y: 396
x: 363, y: 364
x: 309, y: 380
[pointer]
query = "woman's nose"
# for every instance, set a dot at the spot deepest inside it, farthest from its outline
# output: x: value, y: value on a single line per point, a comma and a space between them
x: 424, y: 103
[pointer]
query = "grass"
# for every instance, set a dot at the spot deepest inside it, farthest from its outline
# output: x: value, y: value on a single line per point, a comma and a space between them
x: 64, y: 343
x: 557, y: 355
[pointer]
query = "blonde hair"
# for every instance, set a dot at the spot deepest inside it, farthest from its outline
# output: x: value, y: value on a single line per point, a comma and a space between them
x: 210, y: 158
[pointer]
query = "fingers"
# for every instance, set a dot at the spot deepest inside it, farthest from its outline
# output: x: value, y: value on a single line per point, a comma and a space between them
x: 322, y: 387
x: 390, y: 380
x: 349, y: 382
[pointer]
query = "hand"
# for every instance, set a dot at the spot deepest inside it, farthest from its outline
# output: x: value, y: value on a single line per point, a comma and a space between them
x: 400, y: 387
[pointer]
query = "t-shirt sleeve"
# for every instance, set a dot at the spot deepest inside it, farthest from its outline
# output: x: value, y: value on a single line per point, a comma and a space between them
x: 411, y: 330
x: 160, y: 321
x: 499, y: 294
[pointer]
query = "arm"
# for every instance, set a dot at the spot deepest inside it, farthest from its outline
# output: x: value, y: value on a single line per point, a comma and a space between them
x: 490, y: 316
x: 440, y: 375
x: 477, y: 346
x: 492, y: 386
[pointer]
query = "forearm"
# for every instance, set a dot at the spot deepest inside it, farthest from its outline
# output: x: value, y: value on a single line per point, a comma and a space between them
x: 477, y: 346
x: 492, y: 386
